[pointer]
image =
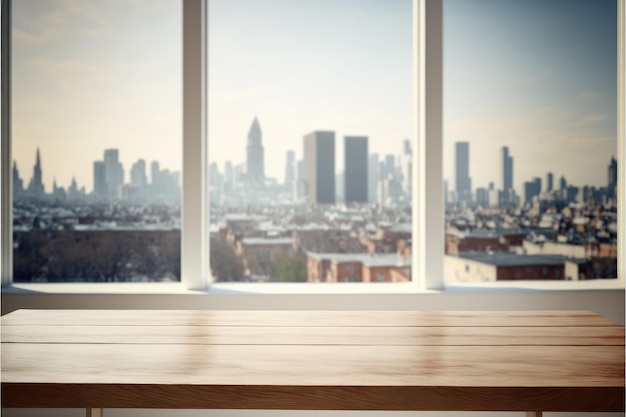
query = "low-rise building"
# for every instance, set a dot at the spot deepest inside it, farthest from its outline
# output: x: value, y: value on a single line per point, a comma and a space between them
x: 342, y: 267
x: 499, y: 266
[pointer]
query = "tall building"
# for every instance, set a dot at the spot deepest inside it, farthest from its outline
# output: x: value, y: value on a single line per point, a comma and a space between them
x: 255, y: 164
x: 390, y: 167
x: 463, y: 180
x: 612, y: 177
x: 319, y: 167
x: 138, y: 176
x: 290, y: 170
x: 549, y: 182
x: 355, y: 163
x: 114, y: 173
x: 35, y: 187
x: 406, y: 170
x: 507, y: 169
x: 532, y: 189
x: 99, y: 180
x: 373, y: 176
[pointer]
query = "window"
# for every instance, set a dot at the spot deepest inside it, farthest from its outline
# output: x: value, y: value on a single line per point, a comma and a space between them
x: 197, y: 223
x: 96, y: 141
x: 310, y: 128
x: 532, y: 135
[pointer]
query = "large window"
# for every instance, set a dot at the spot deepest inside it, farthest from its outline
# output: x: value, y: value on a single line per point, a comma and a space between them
x: 92, y: 99
x: 96, y: 140
x: 310, y: 139
x: 531, y: 140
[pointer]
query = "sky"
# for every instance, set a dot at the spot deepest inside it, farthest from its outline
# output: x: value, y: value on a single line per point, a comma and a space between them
x: 538, y: 76
x: 301, y: 66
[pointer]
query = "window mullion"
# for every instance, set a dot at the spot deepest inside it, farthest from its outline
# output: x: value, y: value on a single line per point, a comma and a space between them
x: 194, y: 210
x: 6, y: 183
x: 429, y: 154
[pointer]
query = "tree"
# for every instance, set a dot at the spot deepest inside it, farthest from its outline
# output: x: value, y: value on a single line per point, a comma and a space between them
x: 288, y: 268
x: 225, y: 264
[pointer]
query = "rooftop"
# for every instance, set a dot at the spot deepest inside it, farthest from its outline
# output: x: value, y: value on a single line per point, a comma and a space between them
x: 512, y: 259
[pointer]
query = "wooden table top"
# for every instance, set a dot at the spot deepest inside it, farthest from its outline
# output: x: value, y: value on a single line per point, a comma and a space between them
x: 316, y: 360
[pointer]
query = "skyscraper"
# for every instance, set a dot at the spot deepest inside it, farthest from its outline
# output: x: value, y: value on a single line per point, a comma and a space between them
x: 255, y: 164
x: 35, y: 187
x: 507, y: 169
x: 355, y: 163
x: 612, y: 177
x: 406, y: 169
x: 463, y: 180
x: 373, y: 176
x: 114, y: 173
x: 319, y: 167
x: 138, y: 174
x: 99, y: 180
x: 290, y: 170
x: 549, y: 181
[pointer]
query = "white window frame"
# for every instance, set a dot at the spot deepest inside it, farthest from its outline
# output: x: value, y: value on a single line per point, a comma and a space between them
x: 428, y: 205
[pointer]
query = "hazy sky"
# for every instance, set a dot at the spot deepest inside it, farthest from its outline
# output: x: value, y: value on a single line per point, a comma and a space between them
x: 301, y: 66
x: 538, y: 76
x: 95, y: 74
x: 535, y: 75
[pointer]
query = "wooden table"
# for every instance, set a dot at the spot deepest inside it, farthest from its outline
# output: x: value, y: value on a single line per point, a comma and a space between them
x: 313, y: 360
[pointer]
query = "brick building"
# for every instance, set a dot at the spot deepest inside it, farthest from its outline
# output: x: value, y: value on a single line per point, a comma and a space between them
x: 340, y: 267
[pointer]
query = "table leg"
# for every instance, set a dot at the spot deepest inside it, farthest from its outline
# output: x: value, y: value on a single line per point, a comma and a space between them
x: 94, y: 412
x: 534, y: 414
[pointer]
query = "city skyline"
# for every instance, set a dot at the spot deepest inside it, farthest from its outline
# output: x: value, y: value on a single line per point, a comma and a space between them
x: 539, y: 76
x: 107, y: 170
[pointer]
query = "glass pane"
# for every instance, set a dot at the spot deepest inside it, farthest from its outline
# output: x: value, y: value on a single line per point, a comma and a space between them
x: 530, y: 139
x: 310, y: 118
x: 96, y: 140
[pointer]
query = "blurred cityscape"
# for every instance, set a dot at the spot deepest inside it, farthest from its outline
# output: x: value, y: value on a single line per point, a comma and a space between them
x: 316, y: 225
x: 551, y: 231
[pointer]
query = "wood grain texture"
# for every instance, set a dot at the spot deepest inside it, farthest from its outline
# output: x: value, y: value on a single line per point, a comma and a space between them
x: 493, y: 366
x: 259, y: 335
x: 306, y: 318
x: 550, y: 361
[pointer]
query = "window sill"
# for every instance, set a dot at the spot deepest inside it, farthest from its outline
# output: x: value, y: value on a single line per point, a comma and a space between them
x: 177, y: 288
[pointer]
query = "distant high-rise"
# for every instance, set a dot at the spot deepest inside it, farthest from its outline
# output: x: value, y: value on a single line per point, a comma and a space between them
x: 373, y: 176
x: 532, y: 189
x: 390, y: 168
x: 35, y: 187
x: 507, y: 169
x: 406, y: 150
x: 114, y: 173
x: 549, y: 182
x: 612, y: 177
x: 319, y: 167
x: 255, y: 160
x: 290, y: 170
x: 99, y: 180
x: 356, y: 163
x: 406, y: 169
x: 138, y: 174
x: 463, y: 180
